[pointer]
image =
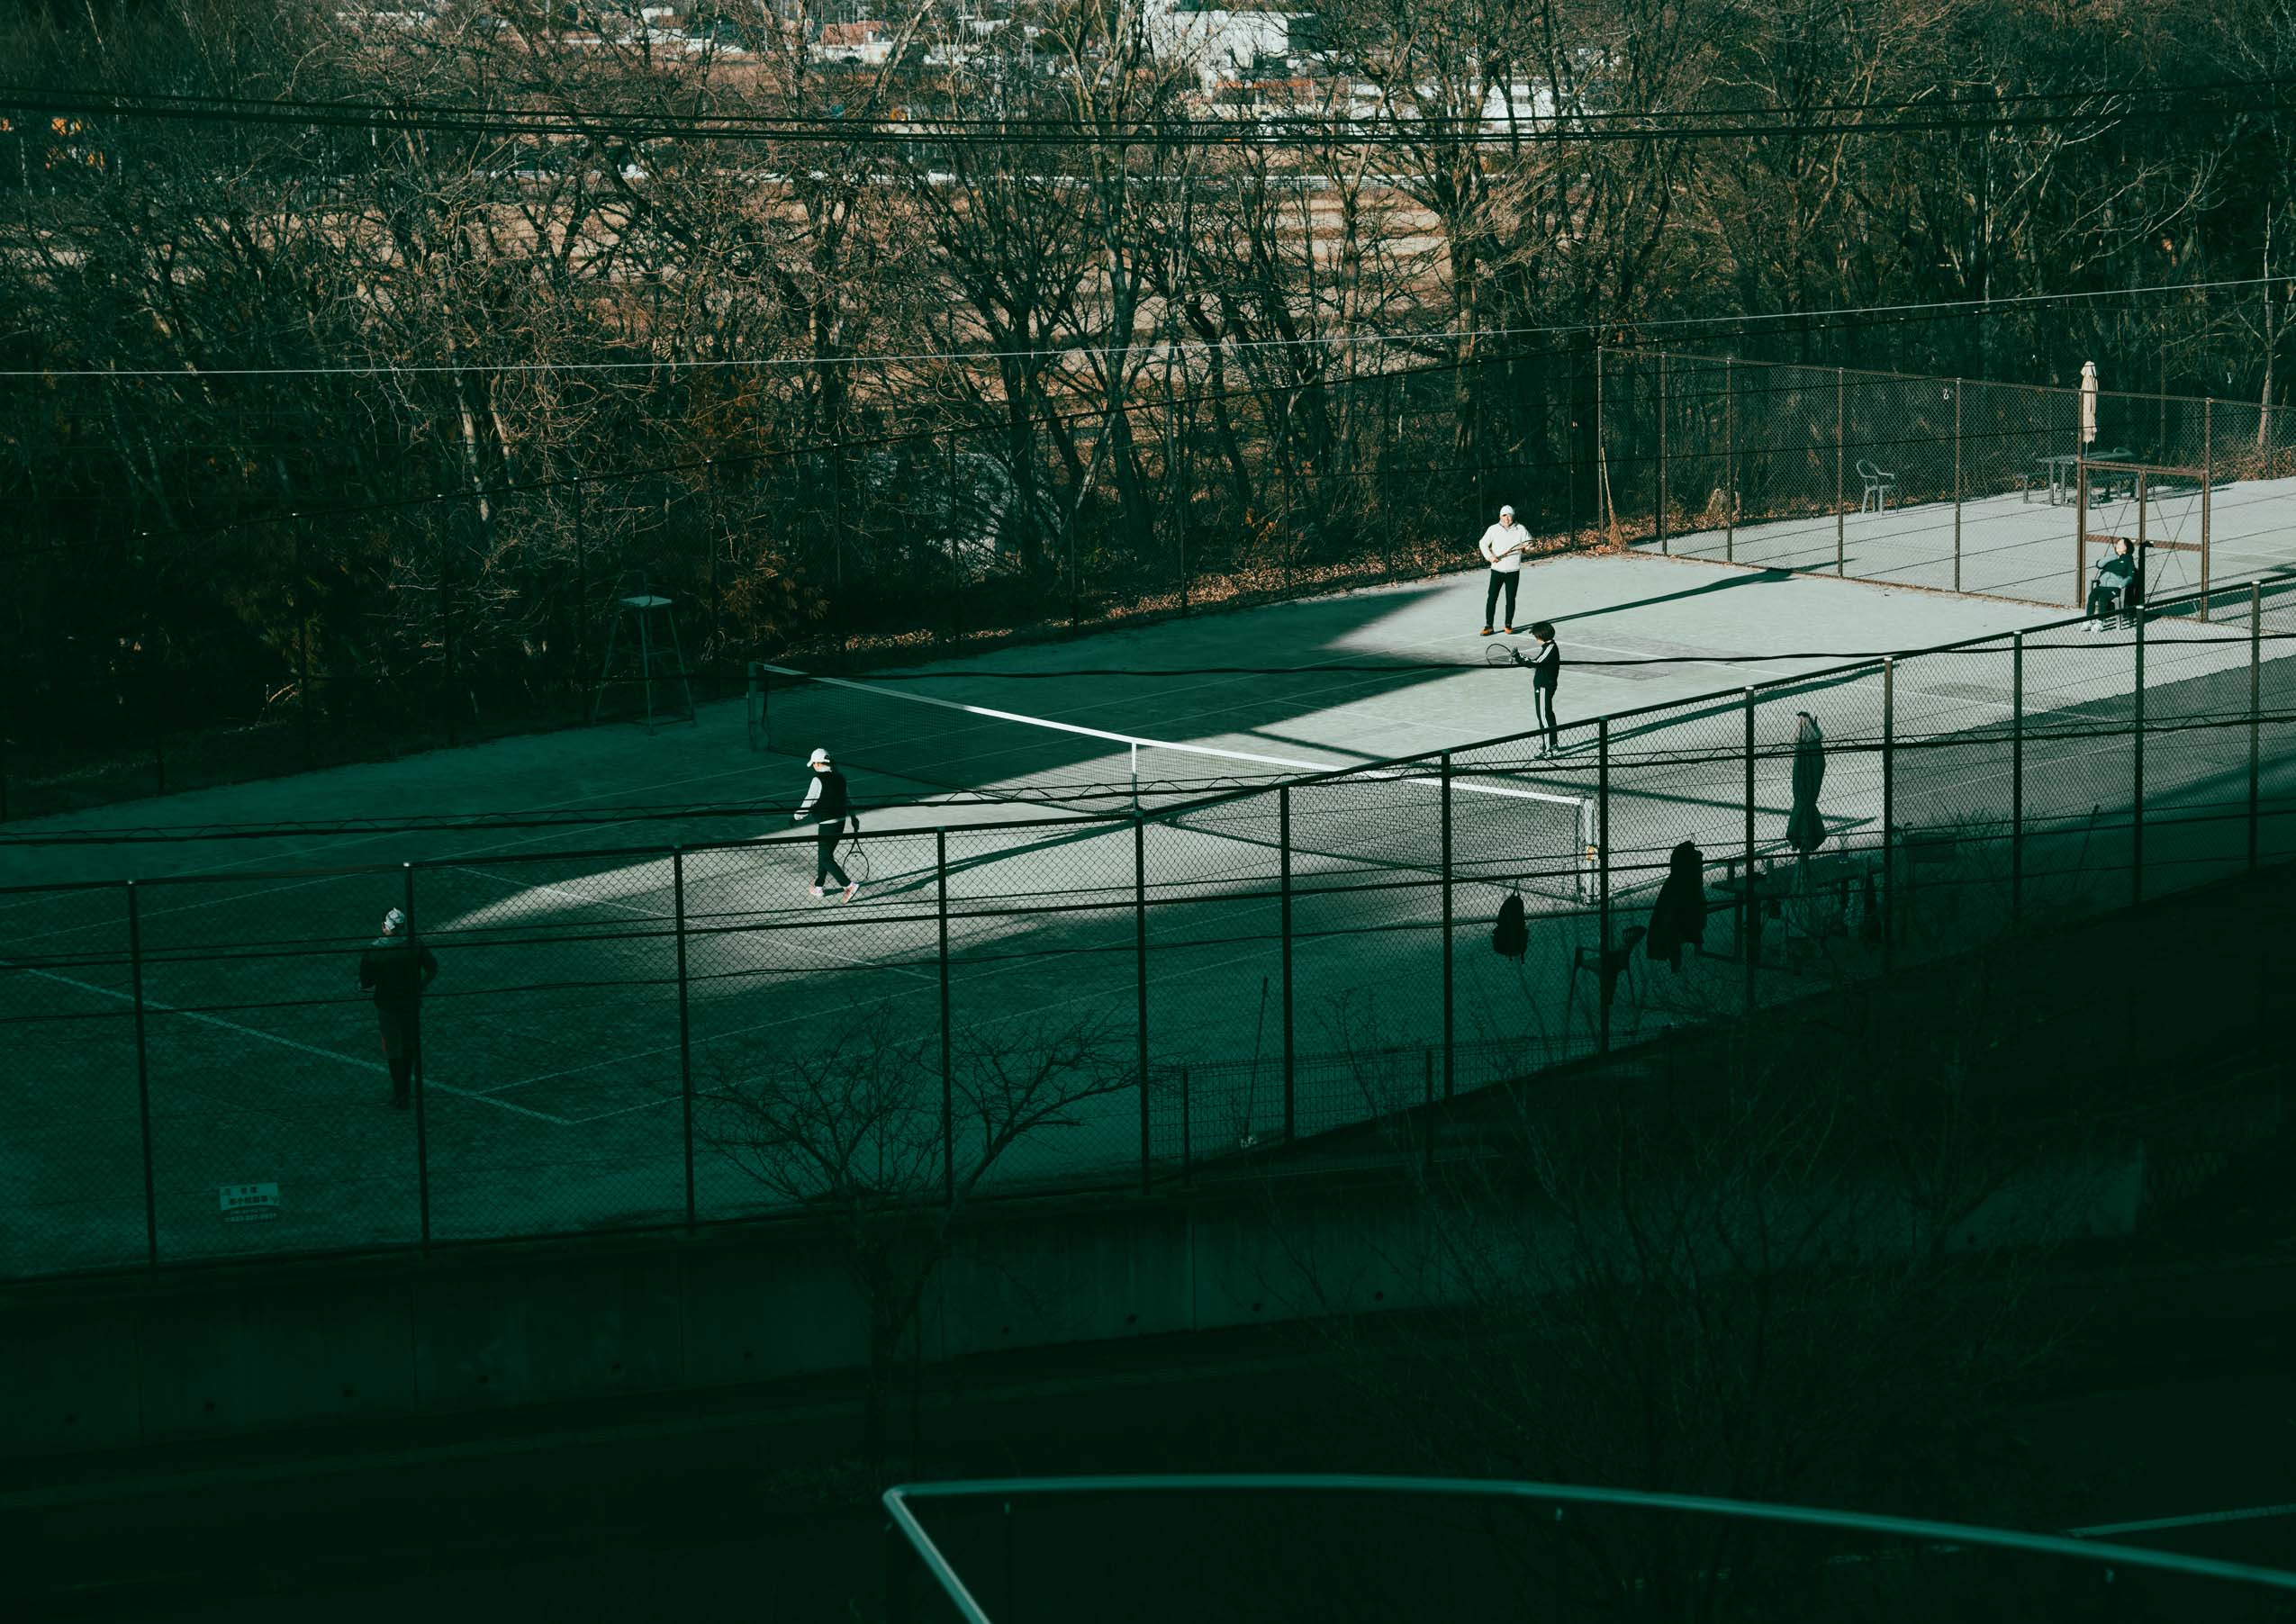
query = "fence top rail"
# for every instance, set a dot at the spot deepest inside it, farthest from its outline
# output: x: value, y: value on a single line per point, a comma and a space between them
x: 1641, y: 352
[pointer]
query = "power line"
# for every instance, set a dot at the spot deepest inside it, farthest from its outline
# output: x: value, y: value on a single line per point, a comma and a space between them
x: 2181, y: 102
x: 1224, y: 346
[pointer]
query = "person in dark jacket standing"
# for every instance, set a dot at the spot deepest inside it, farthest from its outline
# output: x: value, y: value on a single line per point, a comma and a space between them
x: 397, y: 970
x: 1546, y: 671
x: 828, y: 804
x: 1678, y: 920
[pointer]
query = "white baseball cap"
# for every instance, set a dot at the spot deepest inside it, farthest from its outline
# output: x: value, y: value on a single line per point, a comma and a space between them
x: 394, y: 920
x: 820, y: 758
x: 1505, y: 512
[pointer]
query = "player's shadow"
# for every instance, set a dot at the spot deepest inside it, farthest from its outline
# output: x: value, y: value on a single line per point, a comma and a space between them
x: 1749, y: 578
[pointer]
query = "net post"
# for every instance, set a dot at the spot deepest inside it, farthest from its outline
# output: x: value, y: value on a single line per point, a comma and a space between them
x: 1603, y: 935
x: 2255, y: 688
x: 685, y: 1026
x: 1133, y: 750
x: 1749, y: 922
x: 1840, y: 439
x: 1140, y: 974
x: 2016, y: 777
x: 760, y: 722
x: 1448, y: 1047
x: 1957, y: 484
x: 948, y: 1064
x: 422, y: 1123
x: 1889, y: 812
x: 2136, y: 748
x: 143, y: 1080
x: 1283, y: 842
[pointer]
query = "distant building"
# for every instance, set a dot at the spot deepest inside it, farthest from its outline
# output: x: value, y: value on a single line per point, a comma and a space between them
x: 871, y: 44
x: 1225, y: 47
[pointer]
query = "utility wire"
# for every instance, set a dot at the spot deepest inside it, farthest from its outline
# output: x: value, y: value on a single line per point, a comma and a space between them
x: 2175, y: 102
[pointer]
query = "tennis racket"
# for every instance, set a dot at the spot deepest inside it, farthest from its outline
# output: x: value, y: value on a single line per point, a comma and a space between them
x: 854, y: 859
x: 1503, y: 653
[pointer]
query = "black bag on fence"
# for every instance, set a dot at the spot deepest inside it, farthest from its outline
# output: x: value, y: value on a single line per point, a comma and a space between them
x: 1511, y: 937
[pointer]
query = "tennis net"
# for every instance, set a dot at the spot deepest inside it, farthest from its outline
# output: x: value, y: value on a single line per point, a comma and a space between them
x: 980, y: 751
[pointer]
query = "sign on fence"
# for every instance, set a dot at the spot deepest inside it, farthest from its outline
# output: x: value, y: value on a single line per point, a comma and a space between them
x: 246, y: 1202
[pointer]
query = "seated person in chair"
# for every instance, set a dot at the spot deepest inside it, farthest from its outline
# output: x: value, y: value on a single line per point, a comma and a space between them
x: 2113, y: 588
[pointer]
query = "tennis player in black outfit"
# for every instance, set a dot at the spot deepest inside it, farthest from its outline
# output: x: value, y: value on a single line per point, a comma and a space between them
x: 828, y: 804
x: 396, y: 969
x: 1546, y: 671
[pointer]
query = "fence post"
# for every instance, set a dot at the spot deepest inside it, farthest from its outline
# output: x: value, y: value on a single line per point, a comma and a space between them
x: 1449, y: 1051
x: 1889, y: 811
x: 1140, y: 972
x: 2137, y: 764
x: 1750, y: 935
x: 1283, y: 843
x: 422, y: 1123
x: 1187, y: 1135
x: 948, y: 1064
x: 1602, y: 825
x: 299, y: 581
x: 1957, y: 484
x: 685, y: 1026
x: 1661, y: 500
x: 1730, y: 465
x: 446, y: 618
x: 2256, y: 673
x: 1841, y: 518
x: 2208, y: 490
x: 143, y: 1079
x: 582, y: 606
x: 2080, y: 530
x: 2016, y: 777
x: 1604, y: 516
x: 1427, y: 1107
x: 956, y: 555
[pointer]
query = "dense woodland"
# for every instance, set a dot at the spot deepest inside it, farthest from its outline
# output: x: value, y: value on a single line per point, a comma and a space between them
x: 356, y: 360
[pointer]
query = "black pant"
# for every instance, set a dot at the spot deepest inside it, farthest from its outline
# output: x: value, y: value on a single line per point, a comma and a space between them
x: 824, y: 853
x: 1513, y: 579
x: 1543, y: 706
x: 402, y: 1043
x: 2108, y: 600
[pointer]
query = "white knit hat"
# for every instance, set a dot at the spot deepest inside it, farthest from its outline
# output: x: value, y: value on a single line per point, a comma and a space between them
x: 395, y: 920
x: 820, y: 758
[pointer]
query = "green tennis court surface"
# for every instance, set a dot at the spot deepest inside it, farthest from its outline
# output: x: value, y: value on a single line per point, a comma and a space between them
x: 561, y: 1034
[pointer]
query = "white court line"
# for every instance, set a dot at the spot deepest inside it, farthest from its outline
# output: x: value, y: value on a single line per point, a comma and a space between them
x: 273, y: 1037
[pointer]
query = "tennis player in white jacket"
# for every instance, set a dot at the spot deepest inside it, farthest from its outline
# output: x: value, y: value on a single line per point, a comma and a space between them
x: 1503, y: 546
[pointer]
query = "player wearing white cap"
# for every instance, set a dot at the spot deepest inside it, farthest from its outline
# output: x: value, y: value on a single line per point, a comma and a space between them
x: 828, y: 804
x: 398, y: 969
x: 1502, y: 547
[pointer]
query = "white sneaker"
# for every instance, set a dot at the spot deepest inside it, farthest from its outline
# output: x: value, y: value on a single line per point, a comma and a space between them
x: 816, y: 890
x: 2094, y: 626
x: 852, y: 888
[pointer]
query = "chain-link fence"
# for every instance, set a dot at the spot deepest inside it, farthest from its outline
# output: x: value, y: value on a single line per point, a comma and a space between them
x: 239, y: 632
x: 208, y: 1067
x: 1950, y: 484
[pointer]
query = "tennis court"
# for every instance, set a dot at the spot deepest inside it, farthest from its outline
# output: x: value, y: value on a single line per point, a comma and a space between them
x: 592, y: 968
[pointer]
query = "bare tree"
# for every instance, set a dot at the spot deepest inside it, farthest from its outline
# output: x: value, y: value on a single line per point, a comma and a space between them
x: 864, y: 1129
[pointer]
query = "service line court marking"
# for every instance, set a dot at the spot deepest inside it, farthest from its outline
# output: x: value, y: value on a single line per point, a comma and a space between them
x: 285, y: 1043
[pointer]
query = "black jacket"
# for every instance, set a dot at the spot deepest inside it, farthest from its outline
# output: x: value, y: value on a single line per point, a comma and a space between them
x: 397, y: 970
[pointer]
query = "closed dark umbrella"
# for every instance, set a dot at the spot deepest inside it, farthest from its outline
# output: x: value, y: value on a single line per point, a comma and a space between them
x: 1805, y: 830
